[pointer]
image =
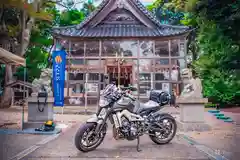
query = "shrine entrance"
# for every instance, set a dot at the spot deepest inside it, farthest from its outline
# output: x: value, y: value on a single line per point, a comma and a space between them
x: 122, y: 44
x: 121, y: 76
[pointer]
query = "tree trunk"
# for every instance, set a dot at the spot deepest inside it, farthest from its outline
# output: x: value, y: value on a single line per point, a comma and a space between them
x: 26, y: 29
x: 7, y: 93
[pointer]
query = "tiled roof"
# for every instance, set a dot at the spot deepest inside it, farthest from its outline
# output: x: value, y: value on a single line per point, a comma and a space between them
x: 120, y: 30
x: 21, y: 83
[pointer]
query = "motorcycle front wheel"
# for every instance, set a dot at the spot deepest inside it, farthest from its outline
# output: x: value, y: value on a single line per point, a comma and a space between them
x: 169, y: 132
x: 86, y: 140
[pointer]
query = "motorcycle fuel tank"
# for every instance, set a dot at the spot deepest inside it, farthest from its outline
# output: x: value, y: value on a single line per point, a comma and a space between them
x: 124, y: 103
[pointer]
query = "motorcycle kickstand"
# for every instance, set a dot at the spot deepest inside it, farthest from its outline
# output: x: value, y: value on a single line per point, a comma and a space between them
x: 138, y: 144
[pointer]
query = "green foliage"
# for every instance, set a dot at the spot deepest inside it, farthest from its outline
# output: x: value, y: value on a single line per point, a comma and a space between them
x: 41, y: 41
x: 88, y: 7
x: 220, y: 80
x: 35, y: 59
x: 214, y: 45
x: 166, y: 12
x: 210, y: 105
x: 188, y: 19
x: 71, y: 17
x: 171, y: 12
x: 75, y: 16
x: 37, y: 55
x: 156, y: 4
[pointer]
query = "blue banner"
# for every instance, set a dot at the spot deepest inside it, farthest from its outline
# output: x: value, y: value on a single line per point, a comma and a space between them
x: 59, y: 66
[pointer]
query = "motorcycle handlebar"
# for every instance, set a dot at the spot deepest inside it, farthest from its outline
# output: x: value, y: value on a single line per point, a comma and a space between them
x: 126, y: 93
x: 172, y: 97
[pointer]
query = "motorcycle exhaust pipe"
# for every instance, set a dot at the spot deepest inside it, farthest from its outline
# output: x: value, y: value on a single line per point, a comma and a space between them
x: 156, y: 129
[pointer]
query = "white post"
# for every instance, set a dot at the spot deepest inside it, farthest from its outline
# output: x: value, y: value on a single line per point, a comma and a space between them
x: 13, y: 97
x: 152, y: 78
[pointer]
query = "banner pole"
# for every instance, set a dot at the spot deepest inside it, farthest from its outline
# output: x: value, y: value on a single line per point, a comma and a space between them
x: 24, y: 98
x: 62, y: 113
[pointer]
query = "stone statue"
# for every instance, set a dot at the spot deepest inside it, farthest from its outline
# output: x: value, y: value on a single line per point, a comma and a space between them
x: 194, y: 87
x: 44, y: 80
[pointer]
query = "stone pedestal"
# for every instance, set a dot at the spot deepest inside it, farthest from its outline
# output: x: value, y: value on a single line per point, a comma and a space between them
x: 192, y: 114
x: 36, y: 118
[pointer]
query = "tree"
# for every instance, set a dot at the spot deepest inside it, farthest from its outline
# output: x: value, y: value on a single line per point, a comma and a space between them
x: 41, y: 43
x: 17, y: 20
x: 166, y: 12
x: 214, y: 44
x: 88, y: 7
x: 71, y: 17
x: 173, y: 12
x: 218, y: 40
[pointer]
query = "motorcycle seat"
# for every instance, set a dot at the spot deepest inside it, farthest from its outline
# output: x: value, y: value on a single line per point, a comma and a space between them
x: 150, y: 105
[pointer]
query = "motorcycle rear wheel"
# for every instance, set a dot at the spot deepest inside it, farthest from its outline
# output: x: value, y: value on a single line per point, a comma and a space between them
x: 85, y: 130
x: 156, y: 139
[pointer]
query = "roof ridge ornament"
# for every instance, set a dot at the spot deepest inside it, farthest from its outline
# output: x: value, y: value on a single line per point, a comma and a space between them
x: 120, y: 3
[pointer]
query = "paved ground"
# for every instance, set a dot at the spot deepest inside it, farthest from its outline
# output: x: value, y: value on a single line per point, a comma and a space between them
x: 63, y: 148
x: 13, y: 144
x: 92, y: 109
x: 224, y: 138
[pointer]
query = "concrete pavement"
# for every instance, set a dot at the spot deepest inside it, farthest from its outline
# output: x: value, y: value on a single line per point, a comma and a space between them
x: 223, y: 139
x: 63, y: 148
x: 13, y: 144
x: 16, y: 145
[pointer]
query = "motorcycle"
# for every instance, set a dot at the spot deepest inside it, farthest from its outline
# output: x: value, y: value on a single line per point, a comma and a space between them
x: 130, y: 119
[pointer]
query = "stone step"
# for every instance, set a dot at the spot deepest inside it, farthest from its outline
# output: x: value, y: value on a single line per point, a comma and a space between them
x: 28, y: 125
x: 213, y: 111
x: 228, y: 120
x: 223, y: 117
x: 218, y: 114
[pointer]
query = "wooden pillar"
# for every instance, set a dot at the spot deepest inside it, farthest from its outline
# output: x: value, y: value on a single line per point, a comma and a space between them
x: 99, y: 74
x: 138, y: 79
x: 185, y: 51
x: 68, y: 69
x: 153, y: 67
x: 86, y: 78
x: 170, y: 65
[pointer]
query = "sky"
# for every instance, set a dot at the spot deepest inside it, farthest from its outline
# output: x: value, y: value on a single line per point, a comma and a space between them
x: 97, y: 2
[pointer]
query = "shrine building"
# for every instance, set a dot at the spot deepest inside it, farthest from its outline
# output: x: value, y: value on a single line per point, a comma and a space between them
x: 121, y: 41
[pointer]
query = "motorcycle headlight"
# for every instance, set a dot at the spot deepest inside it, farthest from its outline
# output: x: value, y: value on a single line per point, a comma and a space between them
x: 103, y: 112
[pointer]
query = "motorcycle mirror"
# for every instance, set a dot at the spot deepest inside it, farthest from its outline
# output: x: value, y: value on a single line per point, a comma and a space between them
x: 132, y: 88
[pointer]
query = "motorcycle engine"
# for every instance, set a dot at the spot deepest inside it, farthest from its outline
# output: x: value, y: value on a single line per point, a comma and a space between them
x: 130, y: 130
